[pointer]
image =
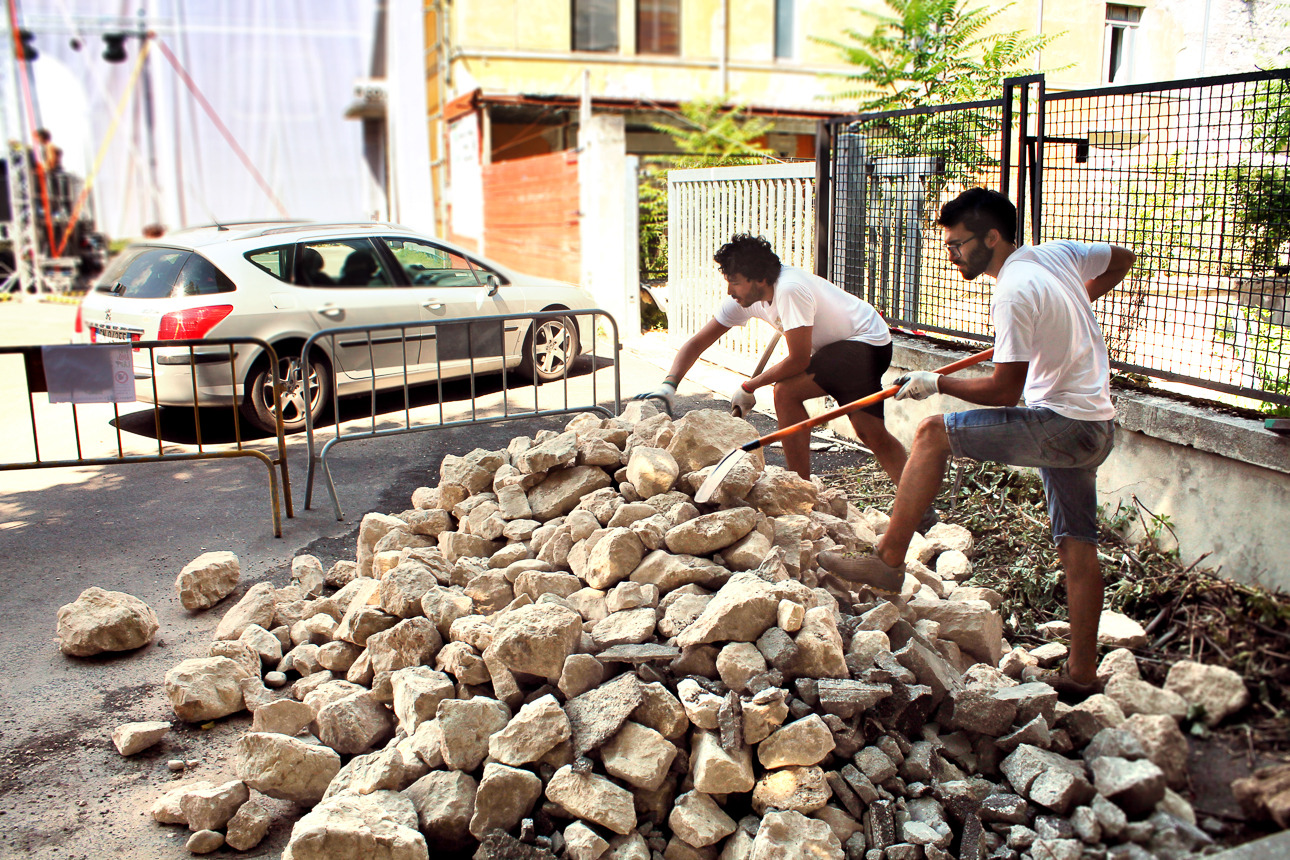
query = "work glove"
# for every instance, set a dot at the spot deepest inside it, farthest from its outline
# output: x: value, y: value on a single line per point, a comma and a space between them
x: 742, y: 402
x: 918, y: 385
x: 664, y: 394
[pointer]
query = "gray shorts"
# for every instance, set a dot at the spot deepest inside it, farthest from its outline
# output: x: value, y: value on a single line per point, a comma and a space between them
x: 1066, y: 451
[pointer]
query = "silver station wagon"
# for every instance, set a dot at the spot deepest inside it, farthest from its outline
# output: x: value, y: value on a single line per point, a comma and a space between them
x: 282, y: 282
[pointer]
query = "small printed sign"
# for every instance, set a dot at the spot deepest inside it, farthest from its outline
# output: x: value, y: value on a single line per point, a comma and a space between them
x: 89, y: 373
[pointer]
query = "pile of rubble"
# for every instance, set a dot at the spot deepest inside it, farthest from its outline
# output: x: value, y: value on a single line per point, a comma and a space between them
x: 557, y: 653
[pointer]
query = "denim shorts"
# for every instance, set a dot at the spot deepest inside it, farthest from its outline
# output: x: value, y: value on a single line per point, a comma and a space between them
x: 1066, y: 451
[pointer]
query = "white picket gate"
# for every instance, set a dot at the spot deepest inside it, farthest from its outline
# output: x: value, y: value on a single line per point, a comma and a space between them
x: 705, y: 208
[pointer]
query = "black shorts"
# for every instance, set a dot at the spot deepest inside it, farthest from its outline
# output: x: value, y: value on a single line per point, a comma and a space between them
x: 849, y: 369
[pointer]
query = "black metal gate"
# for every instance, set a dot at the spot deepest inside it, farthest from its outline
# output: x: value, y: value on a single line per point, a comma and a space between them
x: 1193, y: 175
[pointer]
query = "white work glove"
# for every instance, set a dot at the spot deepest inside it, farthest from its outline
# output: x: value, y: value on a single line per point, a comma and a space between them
x: 665, y: 392
x: 742, y: 402
x: 918, y: 385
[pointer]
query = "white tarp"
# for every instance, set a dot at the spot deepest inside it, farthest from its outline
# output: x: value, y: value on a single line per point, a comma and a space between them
x: 278, y: 74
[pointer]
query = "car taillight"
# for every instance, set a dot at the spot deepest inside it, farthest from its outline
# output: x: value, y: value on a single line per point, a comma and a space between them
x: 191, y: 323
x: 80, y: 321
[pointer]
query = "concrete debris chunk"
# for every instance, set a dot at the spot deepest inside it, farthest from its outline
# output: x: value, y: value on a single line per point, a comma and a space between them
x: 105, y: 621
x: 208, y: 579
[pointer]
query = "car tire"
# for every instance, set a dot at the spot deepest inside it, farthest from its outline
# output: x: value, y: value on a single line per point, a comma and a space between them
x: 299, y: 394
x: 549, y: 348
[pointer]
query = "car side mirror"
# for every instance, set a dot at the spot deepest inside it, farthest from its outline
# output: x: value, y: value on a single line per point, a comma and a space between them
x: 494, y: 284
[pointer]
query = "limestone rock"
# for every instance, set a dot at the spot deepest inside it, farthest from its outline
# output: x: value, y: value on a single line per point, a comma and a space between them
x: 249, y: 825
x: 258, y: 606
x: 638, y: 755
x: 788, y: 835
x: 284, y: 767
x: 411, y: 642
x: 819, y: 647
x: 1217, y: 689
x: 284, y: 716
x: 131, y: 738
x: 652, y: 470
x: 100, y: 621
x: 598, y: 714
x: 207, y: 579
x: 354, y: 724
x: 1116, y: 630
x: 205, y: 688
x: 801, y: 789
x: 1141, y: 697
x: 779, y: 492
x: 505, y: 795
x: 716, y: 771
x: 668, y: 571
x: 740, y: 612
x: 973, y: 625
x: 804, y: 742
x: 536, y: 639
x: 698, y: 821
x: 445, y: 804
x: 593, y: 798
x: 381, y: 824
x: 562, y: 489
x: 1134, y: 786
x: 706, y: 534
x: 466, y: 726
x: 614, y: 556
x: 703, y: 436
x: 531, y: 733
x: 211, y: 808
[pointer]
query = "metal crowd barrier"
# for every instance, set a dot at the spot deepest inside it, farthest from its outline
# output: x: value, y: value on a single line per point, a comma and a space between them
x: 469, y: 339
x: 44, y: 416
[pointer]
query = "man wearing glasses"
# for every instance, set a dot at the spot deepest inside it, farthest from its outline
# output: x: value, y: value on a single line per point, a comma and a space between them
x: 1049, y: 348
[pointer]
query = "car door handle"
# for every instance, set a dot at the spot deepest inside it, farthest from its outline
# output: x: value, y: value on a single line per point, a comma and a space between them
x: 432, y: 305
x: 332, y: 312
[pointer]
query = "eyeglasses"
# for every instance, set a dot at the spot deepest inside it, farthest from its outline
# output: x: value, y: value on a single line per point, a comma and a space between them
x: 955, y: 248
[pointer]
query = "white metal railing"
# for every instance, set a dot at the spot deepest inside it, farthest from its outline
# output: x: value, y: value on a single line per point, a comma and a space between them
x: 705, y: 208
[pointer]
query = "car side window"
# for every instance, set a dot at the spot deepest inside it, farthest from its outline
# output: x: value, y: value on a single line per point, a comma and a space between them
x: 431, y: 265
x: 340, y: 263
x: 276, y: 261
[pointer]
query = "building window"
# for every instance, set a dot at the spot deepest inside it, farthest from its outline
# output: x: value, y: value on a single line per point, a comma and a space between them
x: 658, y: 27
x: 595, y: 25
x: 1121, y: 30
x: 785, y: 29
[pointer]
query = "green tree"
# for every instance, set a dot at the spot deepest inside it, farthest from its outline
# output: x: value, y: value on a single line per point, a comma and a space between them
x: 930, y: 52
x: 708, y: 134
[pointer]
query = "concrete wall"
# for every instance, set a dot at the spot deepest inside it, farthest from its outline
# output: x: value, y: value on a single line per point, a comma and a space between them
x: 1223, y: 482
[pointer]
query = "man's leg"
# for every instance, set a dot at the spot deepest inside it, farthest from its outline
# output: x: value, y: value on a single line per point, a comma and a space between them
x: 790, y: 408
x: 886, y: 448
x: 919, y: 483
x: 1084, y: 596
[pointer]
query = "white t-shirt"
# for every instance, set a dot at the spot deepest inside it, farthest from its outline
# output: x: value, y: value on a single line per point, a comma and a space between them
x: 1042, y: 314
x: 803, y: 299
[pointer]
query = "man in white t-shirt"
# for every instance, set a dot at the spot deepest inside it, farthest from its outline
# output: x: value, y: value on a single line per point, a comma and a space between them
x: 1048, y: 346
x: 838, y: 344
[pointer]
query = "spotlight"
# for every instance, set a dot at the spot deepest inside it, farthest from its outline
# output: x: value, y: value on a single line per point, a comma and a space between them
x: 114, y: 47
x: 26, y: 47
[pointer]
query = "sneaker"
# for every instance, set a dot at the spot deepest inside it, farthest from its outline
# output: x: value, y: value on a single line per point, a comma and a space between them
x: 930, y: 518
x: 864, y: 569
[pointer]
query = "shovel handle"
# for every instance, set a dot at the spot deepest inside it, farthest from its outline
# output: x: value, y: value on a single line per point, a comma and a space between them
x: 846, y: 408
x: 761, y: 365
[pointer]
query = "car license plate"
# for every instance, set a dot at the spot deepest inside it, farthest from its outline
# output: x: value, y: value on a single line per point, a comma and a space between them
x: 104, y: 333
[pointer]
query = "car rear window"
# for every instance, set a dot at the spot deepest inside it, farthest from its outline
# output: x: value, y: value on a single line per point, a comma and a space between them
x: 159, y: 273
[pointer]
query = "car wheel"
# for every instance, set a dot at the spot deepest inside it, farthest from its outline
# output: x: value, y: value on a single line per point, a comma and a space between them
x: 549, y: 348
x: 302, y: 393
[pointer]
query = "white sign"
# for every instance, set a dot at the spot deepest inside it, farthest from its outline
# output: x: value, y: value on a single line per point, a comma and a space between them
x: 466, y: 192
x: 88, y: 373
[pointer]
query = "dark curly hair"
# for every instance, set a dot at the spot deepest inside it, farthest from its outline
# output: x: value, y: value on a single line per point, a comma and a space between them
x: 750, y: 256
x: 981, y: 210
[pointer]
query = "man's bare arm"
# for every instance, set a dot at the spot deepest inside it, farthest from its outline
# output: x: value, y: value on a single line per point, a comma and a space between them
x: 1001, y: 388
x: 690, y: 351
x: 1121, y: 261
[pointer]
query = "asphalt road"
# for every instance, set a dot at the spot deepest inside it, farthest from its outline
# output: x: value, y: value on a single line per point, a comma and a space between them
x: 64, y: 791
